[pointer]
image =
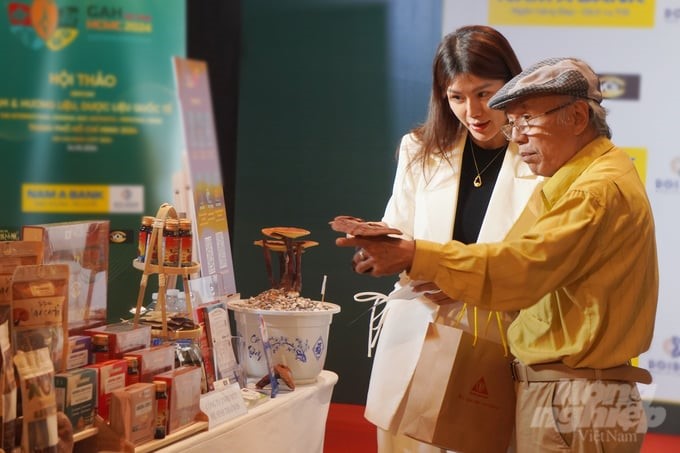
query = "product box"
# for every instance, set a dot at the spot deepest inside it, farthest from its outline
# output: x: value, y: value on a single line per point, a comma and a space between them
x: 110, y: 377
x: 84, y: 246
x: 216, y: 348
x: 133, y: 412
x: 78, y: 351
x: 76, y: 395
x: 154, y: 360
x: 184, y: 395
x: 124, y: 337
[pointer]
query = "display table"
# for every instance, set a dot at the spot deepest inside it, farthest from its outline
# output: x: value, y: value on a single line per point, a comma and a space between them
x: 292, y: 422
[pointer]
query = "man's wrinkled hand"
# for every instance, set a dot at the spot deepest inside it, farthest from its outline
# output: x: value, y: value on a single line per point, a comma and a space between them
x: 379, y: 256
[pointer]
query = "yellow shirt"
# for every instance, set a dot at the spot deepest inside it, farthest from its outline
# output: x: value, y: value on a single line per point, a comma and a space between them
x: 584, y: 276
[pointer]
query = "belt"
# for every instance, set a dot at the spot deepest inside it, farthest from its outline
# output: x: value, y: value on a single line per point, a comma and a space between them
x: 556, y: 371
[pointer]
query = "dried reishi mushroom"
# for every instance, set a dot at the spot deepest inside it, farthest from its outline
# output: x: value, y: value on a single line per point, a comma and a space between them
x: 359, y: 227
x: 290, y: 255
x: 282, y: 372
x: 285, y: 232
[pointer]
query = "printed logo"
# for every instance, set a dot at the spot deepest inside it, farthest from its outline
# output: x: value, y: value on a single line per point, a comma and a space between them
x: 42, y: 23
x: 620, y: 86
x: 670, y: 185
x: 120, y: 236
x: 672, y: 346
x: 603, y: 409
x: 480, y: 389
x: 671, y: 15
x: 675, y: 165
x: 8, y: 234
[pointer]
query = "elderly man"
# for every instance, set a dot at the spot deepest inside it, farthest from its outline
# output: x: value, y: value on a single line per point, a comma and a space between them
x: 580, y: 265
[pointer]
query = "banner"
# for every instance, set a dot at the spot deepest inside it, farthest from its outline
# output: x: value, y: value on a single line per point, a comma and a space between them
x: 89, y: 127
x: 207, y: 205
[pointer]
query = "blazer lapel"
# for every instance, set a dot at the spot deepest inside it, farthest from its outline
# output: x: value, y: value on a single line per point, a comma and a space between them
x: 514, y: 187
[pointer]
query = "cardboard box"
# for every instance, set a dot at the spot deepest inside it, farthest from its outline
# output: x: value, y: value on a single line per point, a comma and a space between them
x: 84, y: 246
x: 133, y: 412
x: 110, y: 377
x: 124, y: 337
x: 76, y: 395
x: 78, y: 351
x: 184, y: 395
x: 154, y: 360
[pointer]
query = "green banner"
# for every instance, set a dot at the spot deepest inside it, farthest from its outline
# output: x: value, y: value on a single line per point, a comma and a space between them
x: 89, y: 125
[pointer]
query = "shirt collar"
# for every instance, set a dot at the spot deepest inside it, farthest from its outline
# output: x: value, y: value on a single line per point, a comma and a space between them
x: 559, y: 183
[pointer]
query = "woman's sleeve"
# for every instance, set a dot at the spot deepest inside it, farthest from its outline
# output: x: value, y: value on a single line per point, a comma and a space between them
x: 400, y: 209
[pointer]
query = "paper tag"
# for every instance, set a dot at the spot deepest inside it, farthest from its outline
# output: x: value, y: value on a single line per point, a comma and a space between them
x: 222, y: 405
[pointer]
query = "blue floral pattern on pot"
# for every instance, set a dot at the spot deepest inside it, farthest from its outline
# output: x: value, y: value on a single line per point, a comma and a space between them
x: 254, y: 352
x: 298, y: 347
x: 318, y: 348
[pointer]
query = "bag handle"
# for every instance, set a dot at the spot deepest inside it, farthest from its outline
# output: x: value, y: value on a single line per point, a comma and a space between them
x: 376, y: 322
x: 499, y: 321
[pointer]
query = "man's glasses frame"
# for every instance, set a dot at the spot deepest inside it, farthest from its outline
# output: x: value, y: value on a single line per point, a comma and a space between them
x: 522, y: 124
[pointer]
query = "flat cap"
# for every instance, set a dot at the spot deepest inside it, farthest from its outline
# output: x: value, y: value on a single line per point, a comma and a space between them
x: 569, y: 76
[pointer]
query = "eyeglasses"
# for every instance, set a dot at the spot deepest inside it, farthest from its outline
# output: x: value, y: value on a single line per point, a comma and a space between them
x: 522, y: 124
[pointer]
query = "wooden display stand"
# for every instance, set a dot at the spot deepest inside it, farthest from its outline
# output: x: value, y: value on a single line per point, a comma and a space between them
x: 106, y: 440
x: 101, y: 437
x: 167, y: 275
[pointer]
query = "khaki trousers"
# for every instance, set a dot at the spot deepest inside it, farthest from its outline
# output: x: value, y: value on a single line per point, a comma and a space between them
x: 579, y: 416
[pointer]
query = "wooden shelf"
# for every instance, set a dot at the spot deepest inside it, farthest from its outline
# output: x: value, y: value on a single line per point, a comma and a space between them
x: 169, y: 270
x: 84, y: 434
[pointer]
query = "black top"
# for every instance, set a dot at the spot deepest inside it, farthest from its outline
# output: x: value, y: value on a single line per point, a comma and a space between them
x: 473, y: 201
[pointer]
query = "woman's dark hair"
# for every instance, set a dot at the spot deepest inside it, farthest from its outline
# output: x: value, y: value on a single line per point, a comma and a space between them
x: 475, y: 49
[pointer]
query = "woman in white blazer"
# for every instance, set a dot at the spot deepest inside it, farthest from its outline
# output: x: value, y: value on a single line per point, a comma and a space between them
x: 456, y: 178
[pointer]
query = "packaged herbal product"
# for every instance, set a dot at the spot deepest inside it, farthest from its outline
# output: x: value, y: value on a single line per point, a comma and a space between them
x: 8, y: 394
x: 38, y: 401
x: 13, y: 254
x: 39, y: 294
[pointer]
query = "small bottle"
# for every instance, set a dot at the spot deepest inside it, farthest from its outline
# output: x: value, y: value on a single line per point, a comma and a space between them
x: 100, y: 348
x: 132, y: 376
x: 171, y: 243
x: 185, y: 242
x: 145, y: 231
x: 161, y: 410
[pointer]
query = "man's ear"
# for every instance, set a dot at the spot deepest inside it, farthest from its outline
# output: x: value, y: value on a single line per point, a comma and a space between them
x: 581, y: 115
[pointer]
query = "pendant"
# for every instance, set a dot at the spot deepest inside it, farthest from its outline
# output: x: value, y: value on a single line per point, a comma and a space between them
x: 478, y: 181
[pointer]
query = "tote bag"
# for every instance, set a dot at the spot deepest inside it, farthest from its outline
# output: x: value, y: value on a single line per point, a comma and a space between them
x: 462, y: 395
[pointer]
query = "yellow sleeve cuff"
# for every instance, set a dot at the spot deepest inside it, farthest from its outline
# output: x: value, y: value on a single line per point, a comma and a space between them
x: 425, y: 260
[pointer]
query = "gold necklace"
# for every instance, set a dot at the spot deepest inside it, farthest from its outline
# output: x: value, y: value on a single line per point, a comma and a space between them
x: 477, y: 182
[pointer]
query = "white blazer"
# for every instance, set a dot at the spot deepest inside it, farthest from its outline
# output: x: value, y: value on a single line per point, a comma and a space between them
x: 423, y: 206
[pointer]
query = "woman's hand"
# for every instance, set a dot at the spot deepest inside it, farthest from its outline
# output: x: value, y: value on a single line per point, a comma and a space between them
x: 433, y: 293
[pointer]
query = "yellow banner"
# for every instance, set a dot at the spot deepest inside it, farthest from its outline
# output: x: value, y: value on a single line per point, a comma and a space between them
x: 64, y: 198
x: 574, y: 13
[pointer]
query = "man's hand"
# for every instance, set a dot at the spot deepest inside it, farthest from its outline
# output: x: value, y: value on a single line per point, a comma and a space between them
x: 379, y: 255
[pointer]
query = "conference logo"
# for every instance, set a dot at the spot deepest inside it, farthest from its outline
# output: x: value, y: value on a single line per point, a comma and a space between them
x: 42, y: 23
x: 620, y: 86
x: 669, y: 363
x: 55, y: 25
x: 671, y: 15
x: 671, y: 346
x: 670, y: 185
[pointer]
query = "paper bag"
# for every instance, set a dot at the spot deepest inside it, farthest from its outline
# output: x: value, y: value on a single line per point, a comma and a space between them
x: 490, y: 325
x: 462, y: 396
